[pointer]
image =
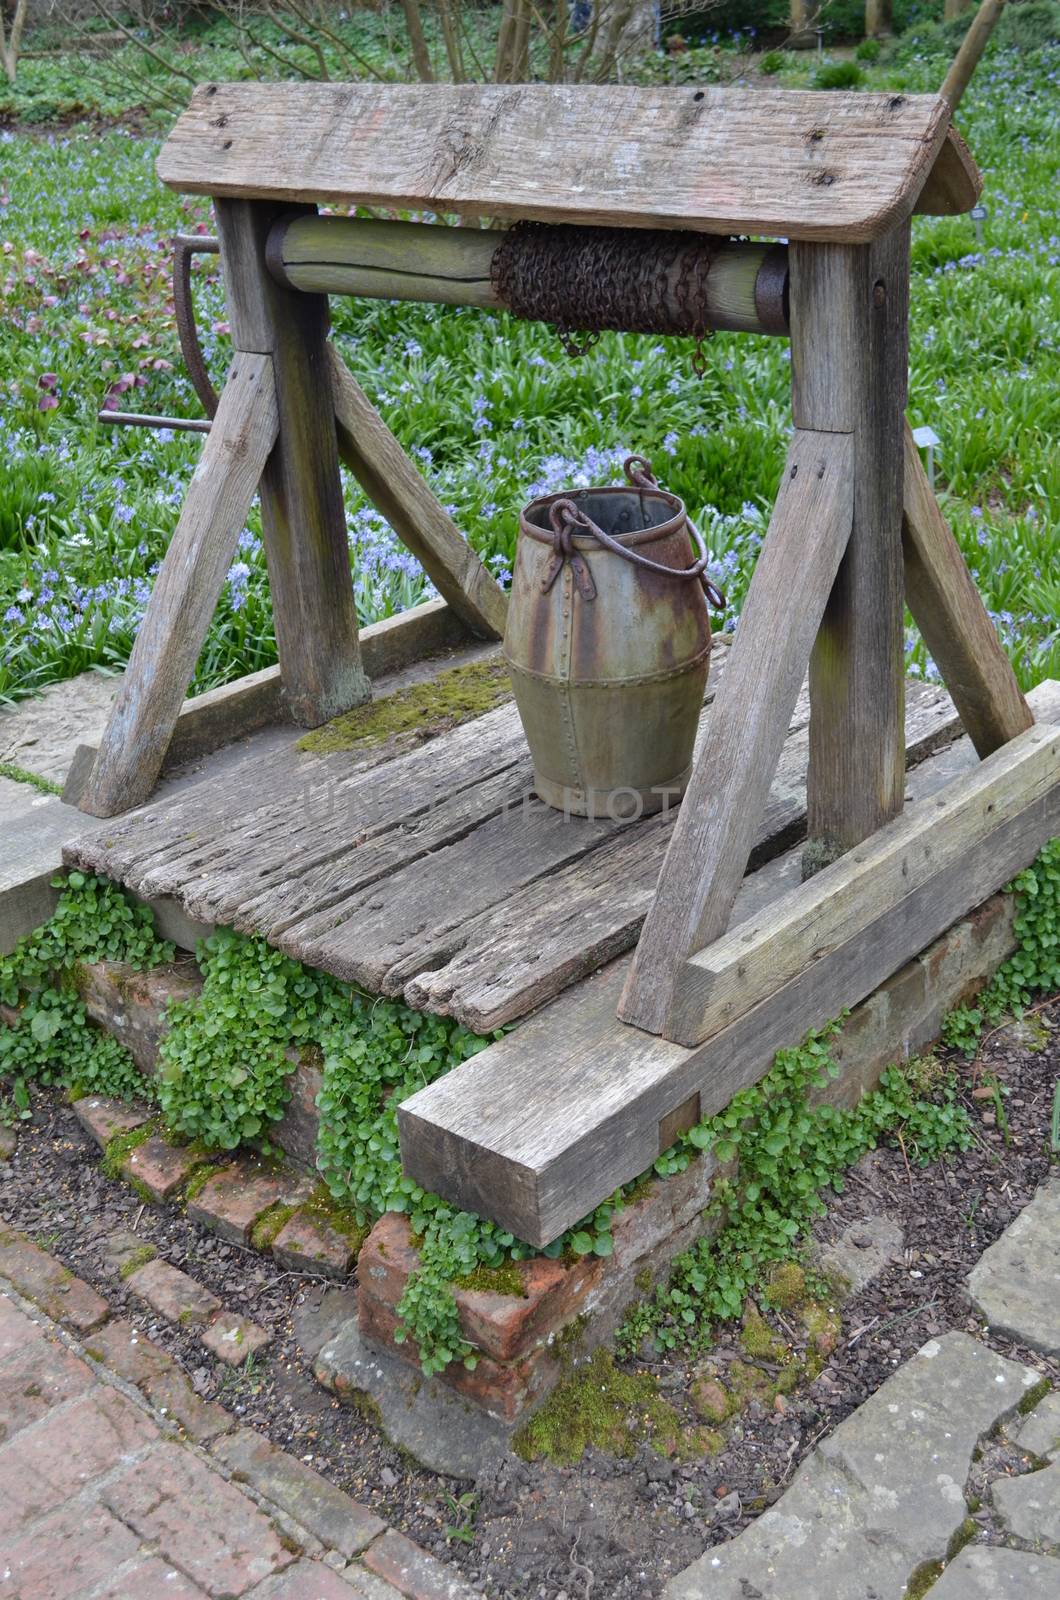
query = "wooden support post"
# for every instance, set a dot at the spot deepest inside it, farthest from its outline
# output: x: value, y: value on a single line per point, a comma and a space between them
x: 722, y: 807
x: 948, y: 610
x: 849, y: 352
x: 392, y: 483
x: 302, y: 515
x: 186, y: 591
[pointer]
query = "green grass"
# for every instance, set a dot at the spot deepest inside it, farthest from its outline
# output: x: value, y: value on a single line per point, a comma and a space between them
x: 491, y: 407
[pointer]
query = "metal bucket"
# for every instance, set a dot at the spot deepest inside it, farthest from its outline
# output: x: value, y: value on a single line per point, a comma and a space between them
x: 608, y: 644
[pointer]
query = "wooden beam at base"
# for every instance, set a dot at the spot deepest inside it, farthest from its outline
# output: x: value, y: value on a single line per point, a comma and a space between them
x: 601, y: 1091
x: 391, y: 482
x: 723, y: 805
x: 186, y: 591
x: 949, y: 611
x: 847, y: 900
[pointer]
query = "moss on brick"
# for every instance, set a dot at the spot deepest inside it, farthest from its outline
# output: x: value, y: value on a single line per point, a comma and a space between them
x: 323, y: 1208
x: 495, y: 1280
x: 138, y: 1258
x: 121, y: 1146
x: 424, y: 709
x: 268, y: 1226
x: 200, y: 1177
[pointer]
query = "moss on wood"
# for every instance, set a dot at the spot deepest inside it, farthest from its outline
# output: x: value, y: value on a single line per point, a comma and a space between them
x: 422, y: 710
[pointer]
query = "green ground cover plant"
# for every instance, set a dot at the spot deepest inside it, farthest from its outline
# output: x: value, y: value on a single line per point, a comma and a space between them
x: 489, y: 407
x: 228, y: 1057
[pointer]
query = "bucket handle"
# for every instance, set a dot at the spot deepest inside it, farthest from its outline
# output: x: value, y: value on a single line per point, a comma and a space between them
x: 564, y: 516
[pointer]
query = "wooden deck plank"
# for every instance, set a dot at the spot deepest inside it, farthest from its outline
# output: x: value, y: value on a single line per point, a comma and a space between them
x: 545, y: 937
x: 600, y: 1089
x: 797, y: 163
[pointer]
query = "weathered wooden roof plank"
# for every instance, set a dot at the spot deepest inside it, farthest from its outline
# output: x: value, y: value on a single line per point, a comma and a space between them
x: 800, y: 164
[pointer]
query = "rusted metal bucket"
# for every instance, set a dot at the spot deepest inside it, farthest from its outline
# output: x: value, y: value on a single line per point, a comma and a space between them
x: 608, y: 644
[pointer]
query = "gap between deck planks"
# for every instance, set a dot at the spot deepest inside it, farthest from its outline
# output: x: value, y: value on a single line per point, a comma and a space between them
x: 600, y: 1091
x: 431, y: 874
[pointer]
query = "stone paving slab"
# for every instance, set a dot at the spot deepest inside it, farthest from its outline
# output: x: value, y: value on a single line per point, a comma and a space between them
x: 1040, y: 1433
x: 882, y: 1496
x: 102, y: 1497
x: 982, y: 1572
x: 1029, y: 1507
x: 1016, y: 1283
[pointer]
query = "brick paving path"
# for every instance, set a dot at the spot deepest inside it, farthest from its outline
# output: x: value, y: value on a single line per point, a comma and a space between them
x: 118, y: 1483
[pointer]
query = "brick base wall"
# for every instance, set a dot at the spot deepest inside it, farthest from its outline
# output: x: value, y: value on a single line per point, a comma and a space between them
x: 563, y: 1306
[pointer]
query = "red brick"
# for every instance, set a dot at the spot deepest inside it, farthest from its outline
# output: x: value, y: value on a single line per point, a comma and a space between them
x: 171, y: 1394
x: 310, y: 1500
x: 232, y: 1338
x: 66, y: 1555
x: 172, y: 1293
x: 160, y: 1169
x: 413, y: 1571
x: 123, y: 1349
x: 132, y: 1005
x: 311, y: 1580
x: 503, y: 1326
x: 230, y: 1202
x: 36, y: 1378
x: 307, y: 1243
x: 104, y: 1118
x: 49, y: 1284
x: 194, y: 1517
x: 502, y: 1388
x: 150, y: 1579
x: 54, y: 1460
x: 16, y: 1328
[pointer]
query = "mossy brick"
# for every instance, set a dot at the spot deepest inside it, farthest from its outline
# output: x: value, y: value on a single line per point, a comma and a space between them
x: 103, y: 1118
x: 172, y: 1294
x: 232, y: 1338
x: 8, y: 1142
x: 293, y: 1487
x: 192, y: 1516
x: 413, y: 1571
x: 131, y: 1005
x: 49, y: 1284
x: 308, y: 1243
x: 159, y: 1169
x: 232, y: 1199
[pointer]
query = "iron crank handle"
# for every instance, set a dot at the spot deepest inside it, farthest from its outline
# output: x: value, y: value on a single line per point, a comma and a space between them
x: 186, y: 245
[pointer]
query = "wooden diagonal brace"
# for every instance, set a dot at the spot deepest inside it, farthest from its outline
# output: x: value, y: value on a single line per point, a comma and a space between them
x: 712, y: 838
x: 186, y: 591
x: 392, y: 483
x: 949, y: 611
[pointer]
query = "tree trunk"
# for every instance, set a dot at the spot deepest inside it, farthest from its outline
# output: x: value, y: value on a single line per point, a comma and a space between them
x: 421, y: 59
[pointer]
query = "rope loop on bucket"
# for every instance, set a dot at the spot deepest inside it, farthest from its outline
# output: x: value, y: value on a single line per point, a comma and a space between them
x: 566, y: 517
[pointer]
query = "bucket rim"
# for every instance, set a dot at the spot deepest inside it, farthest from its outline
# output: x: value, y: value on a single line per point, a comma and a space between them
x: 585, y: 541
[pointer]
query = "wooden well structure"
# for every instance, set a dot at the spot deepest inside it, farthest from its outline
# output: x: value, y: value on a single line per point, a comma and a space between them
x: 543, y: 1125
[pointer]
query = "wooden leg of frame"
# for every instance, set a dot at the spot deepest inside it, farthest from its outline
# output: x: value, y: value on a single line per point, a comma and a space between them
x: 392, y: 483
x: 849, y: 351
x: 186, y: 591
x: 948, y: 610
x: 302, y: 515
x: 716, y: 826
